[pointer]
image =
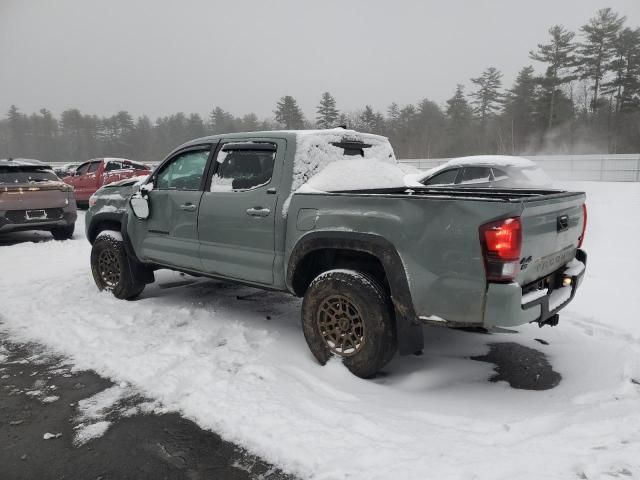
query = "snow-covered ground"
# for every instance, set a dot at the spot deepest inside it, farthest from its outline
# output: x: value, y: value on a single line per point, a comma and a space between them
x: 234, y: 360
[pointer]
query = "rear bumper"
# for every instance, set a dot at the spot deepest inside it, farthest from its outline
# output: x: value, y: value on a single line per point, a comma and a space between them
x: 11, y: 223
x: 505, y: 305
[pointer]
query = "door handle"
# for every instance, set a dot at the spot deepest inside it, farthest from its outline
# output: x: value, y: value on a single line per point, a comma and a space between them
x: 258, y: 212
x: 188, y: 207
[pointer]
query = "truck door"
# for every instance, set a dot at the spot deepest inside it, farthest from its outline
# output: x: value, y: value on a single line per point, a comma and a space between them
x: 236, y: 222
x: 172, y: 227
x: 88, y: 183
x: 75, y: 179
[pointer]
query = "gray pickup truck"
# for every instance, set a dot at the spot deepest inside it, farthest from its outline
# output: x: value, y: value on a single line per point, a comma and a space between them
x: 372, y: 264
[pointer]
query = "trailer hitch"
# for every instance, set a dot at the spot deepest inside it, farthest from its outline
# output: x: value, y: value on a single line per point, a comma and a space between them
x: 552, y: 321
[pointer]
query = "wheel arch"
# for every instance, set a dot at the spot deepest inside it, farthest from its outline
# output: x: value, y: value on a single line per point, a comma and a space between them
x: 316, y: 252
x: 103, y: 221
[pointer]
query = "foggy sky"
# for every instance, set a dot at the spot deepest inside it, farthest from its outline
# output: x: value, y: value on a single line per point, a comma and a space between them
x: 160, y: 57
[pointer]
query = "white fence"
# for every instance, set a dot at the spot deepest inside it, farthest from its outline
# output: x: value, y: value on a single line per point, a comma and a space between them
x: 608, y: 168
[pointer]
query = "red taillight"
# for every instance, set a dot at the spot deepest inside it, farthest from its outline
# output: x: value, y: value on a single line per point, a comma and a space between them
x: 584, y: 224
x: 501, y: 245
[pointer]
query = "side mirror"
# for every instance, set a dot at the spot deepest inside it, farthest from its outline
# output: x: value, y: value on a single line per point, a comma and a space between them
x: 140, y: 206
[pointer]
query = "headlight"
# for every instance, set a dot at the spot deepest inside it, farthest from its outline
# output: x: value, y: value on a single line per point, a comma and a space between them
x: 92, y: 200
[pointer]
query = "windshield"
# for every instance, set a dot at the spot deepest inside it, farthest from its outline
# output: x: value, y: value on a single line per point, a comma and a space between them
x: 26, y: 174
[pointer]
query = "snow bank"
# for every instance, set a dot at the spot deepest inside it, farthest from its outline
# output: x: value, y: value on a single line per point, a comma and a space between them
x: 240, y: 367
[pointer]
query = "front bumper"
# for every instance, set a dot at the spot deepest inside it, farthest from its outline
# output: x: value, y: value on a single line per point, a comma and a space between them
x: 506, y: 306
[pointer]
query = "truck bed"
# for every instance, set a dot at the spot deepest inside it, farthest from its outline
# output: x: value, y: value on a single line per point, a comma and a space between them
x: 436, y: 231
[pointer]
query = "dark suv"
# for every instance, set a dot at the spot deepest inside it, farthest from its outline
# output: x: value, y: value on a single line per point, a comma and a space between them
x: 32, y: 197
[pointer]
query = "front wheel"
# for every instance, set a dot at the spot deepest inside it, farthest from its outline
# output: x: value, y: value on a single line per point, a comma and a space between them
x: 346, y: 313
x: 110, y: 268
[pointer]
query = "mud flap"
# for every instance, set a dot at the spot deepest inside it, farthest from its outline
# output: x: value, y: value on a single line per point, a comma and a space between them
x: 410, y: 335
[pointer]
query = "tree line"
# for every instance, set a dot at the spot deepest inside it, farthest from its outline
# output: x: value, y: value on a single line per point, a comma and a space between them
x: 586, y: 99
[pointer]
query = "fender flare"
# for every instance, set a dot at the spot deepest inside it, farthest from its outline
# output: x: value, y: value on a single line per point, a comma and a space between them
x: 98, y: 218
x: 408, y: 329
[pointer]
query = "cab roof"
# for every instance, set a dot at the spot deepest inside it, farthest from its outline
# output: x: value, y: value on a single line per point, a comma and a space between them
x: 286, y: 134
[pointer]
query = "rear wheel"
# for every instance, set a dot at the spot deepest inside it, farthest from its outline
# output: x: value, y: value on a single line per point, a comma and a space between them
x: 110, y: 268
x: 63, y: 233
x: 346, y: 313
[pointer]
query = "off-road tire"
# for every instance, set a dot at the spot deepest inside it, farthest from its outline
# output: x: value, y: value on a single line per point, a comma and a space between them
x: 63, y: 233
x: 110, y: 268
x: 373, y: 307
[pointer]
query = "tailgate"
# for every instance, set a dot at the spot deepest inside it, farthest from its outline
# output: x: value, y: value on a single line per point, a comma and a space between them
x: 551, y: 228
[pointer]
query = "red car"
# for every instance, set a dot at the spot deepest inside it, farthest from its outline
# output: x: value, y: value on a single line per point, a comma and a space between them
x: 95, y: 173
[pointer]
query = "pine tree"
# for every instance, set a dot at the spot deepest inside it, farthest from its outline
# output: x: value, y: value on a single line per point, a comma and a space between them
x: 558, y: 54
x: 17, y: 132
x: 288, y: 113
x: 367, y: 121
x: 460, y: 115
x: 327, y: 112
x: 487, y: 98
x: 519, y: 109
x: 221, y: 121
x: 458, y: 109
x: 597, y: 50
x: 428, y: 129
x: 625, y: 85
x: 195, y: 125
x: 250, y: 123
x: 142, y: 140
x: 393, y: 111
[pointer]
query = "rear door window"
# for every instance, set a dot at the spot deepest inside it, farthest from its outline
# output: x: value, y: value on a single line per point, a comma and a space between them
x: 112, y: 165
x: 243, y: 167
x: 499, y: 175
x: 82, y: 169
x: 472, y: 175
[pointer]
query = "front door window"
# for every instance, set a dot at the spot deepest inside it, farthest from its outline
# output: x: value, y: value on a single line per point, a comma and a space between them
x: 184, y: 172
